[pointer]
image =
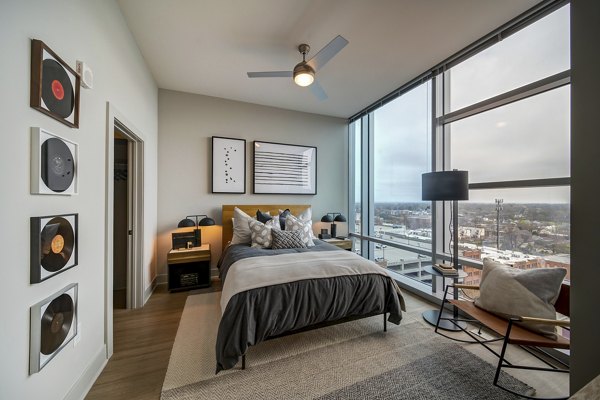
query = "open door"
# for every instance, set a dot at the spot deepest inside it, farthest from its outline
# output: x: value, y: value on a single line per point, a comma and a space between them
x: 124, y: 270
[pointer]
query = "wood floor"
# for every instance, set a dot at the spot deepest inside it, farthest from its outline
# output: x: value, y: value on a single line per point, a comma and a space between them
x: 143, y: 340
x: 142, y: 344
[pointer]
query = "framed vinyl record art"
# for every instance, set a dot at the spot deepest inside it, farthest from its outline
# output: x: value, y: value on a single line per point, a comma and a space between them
x: 53, y: 163
x: 284, y: 168
x: 53, y: 324
x: 54, y: 86
x: 53, y: 245
x: 228, y: 165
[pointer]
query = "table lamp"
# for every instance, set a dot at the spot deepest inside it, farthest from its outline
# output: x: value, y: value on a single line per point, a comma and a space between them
x: 333, y: 217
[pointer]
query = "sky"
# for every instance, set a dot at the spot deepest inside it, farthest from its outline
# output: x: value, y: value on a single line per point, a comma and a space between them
x: 523, y: 140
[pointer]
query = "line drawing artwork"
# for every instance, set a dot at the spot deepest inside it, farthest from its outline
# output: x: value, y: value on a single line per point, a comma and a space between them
x: 284, y: 169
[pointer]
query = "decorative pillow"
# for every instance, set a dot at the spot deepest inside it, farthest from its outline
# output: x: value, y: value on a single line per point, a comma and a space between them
x: 304, y: 216
x: 287, y: 239
x: 282, y: 216
x: 260, y: 234
x: 241, y: 229
x: 294, y: 224
x: 508, y: 291
x: 263, y: 216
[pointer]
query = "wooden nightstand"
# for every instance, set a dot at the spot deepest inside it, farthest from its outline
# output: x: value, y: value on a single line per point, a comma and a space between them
x: 189, y: 268
x: 345, y: 244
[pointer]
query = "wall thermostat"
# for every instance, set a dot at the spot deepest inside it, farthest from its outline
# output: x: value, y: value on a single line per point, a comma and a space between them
x: 86, y: 74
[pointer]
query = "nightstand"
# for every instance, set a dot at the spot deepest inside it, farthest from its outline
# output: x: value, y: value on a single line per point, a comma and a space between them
x: 189, y: 268
x: 345, y: 244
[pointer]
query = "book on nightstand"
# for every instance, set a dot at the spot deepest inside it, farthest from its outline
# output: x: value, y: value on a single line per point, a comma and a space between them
x: 445, y: 269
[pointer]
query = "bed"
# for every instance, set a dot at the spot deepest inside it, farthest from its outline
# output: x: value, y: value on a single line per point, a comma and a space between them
x: 270, y: 293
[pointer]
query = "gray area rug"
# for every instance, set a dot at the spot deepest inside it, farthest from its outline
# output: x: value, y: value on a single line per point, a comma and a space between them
x: 355, y: 360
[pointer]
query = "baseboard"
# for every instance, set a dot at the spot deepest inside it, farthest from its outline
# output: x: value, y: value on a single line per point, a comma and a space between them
x: 85, y: 382
x: 149, y: 290
x: 162, y: 279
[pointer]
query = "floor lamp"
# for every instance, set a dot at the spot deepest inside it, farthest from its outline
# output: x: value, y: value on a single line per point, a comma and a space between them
x: 447, y: 186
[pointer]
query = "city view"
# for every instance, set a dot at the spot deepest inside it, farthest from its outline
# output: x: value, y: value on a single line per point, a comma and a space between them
x: 522, y: 235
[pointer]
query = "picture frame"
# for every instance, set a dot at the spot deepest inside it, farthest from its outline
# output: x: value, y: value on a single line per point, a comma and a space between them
x: 53, y: 245
x: 54, y: 164
x: 228, y: 165
x: 53, y: 324
x: 54, y: 87
x: 284, y: 168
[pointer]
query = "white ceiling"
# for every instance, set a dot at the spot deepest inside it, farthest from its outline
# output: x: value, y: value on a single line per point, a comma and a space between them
x: 207, y: 46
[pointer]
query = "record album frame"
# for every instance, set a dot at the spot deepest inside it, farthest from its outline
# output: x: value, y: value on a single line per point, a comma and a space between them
x: 52, y: 241
x: 47, y: 168
x: 43, y: 314
x: 56, y: 82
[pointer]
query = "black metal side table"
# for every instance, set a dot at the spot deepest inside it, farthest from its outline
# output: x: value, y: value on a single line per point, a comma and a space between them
x: 431, y: 316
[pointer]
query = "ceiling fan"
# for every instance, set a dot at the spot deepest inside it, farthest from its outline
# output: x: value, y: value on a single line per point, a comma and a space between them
x: 304, y: 71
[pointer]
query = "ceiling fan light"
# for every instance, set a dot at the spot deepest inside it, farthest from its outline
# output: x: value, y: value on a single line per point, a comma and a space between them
x: 304, y: 75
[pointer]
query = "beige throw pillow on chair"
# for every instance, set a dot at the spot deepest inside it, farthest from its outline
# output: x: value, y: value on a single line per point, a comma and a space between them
x: 508, y: 291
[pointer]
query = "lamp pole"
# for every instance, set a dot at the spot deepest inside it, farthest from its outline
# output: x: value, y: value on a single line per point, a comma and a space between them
x: 498, y: 209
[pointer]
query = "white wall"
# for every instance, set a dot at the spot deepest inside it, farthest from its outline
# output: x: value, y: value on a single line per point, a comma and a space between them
x: 186, y: 123
x: 93, y: 31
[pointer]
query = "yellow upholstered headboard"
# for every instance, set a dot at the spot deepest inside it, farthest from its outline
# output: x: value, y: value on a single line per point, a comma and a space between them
x: 251, y: 210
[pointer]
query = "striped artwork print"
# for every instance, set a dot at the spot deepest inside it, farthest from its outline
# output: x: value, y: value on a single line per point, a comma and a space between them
x: 282, y: 168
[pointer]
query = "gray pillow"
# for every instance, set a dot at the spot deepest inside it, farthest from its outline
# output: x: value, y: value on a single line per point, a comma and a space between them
x: 287, y: 239
x: 508, y: 291
x: 260, y: 233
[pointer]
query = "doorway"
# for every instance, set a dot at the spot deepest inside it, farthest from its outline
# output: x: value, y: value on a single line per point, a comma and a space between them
x: 121, y: 221
x: 124, y: 225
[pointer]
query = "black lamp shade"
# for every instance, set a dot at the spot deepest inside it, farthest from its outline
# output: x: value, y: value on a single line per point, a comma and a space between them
x: 445, y: 185
x: 207, y: 221
x: 186, y: 223
x: 327, y: 218
x: 339, y: 218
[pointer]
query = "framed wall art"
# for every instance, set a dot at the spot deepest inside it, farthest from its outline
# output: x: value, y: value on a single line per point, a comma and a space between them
x: 54, y: 87
x: 284, y: 168
x: 228, y: 165
x: 53, y: 324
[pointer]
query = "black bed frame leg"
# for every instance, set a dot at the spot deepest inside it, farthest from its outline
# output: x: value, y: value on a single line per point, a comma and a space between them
x: 243, y: 361
x: 384, y: 322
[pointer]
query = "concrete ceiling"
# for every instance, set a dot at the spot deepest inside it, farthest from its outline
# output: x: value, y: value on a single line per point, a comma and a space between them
x: 207, y: 46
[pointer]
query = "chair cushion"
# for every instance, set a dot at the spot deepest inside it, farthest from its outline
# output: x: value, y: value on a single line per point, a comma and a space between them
x: 508, y: 291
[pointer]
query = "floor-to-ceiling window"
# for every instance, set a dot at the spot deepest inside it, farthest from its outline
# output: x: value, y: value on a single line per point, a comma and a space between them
x: 499, y: 111
x: 508, y: 125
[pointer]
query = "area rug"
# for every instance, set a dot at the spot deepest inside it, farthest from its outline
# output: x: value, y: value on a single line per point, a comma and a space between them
x: 354, y: 360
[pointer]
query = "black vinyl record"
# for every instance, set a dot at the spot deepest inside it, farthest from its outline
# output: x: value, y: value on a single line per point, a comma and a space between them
x: 57, y: 91
x: 57, y: 243
x: 57, y: 165
x: 56, y: 323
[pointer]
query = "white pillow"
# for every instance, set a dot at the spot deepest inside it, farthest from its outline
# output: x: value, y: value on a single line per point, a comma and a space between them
x: 305, y: 227
x: 241, y: 229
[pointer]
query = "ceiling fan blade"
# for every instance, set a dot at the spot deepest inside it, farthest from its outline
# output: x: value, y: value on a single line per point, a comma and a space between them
x: 271, y: 74
x: 327, y: 53
x: 318, y: 91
